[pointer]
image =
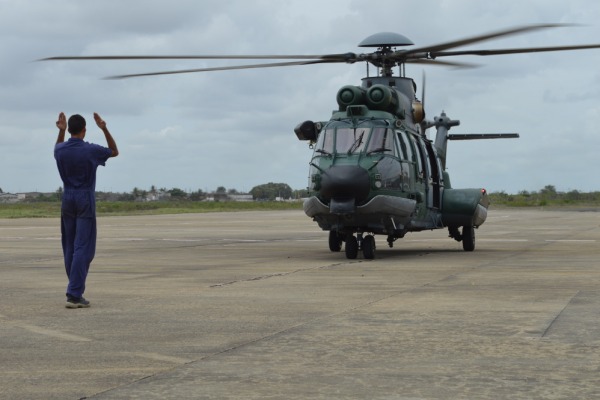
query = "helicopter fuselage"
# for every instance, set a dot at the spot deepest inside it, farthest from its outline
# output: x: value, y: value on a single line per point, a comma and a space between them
x: 373, y: 171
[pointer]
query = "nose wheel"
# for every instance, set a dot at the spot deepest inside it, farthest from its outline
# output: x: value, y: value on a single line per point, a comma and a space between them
x: 368, y: 247
x: 356, y: 243
x: 351, y: 247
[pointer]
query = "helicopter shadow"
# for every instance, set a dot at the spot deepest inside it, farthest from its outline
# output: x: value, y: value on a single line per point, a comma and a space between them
x: 403, y: 254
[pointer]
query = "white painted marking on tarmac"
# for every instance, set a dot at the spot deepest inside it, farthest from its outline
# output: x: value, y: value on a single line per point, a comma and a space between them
x: 160, y: 357
x: 183, y: 240
x: 479, y: 239
x: 24, y: 238
x: 426, y: 240
x: 47, y: 332
x: 502, y: 240
x: 572, y: 240
x: 245, y: 240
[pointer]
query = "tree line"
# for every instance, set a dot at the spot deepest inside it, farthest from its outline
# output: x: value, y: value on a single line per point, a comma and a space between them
x: 547, y: 196
x: 266, y: 192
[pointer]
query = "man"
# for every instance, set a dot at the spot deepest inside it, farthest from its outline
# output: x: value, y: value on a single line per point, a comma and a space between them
x: 77, y: 162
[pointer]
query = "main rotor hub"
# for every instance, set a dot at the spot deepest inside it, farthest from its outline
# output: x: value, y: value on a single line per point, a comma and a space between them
x: 384, y: 41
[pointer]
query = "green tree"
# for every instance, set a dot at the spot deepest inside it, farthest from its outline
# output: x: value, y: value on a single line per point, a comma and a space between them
x: 573, y: 195
x: 198, y: 195
x: 548, y: 192
x: 177, y: 193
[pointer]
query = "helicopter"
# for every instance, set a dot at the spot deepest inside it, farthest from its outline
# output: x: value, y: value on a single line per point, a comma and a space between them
x: 373, y: 170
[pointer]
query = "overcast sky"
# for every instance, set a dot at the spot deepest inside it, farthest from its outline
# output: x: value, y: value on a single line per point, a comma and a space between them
x: 235, y: 128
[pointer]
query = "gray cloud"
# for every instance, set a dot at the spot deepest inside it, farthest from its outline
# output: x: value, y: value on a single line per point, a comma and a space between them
x: 200, y: 131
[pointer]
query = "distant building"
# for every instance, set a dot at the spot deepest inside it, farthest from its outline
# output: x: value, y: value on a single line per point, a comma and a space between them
x: 157, y: 196
x: 240, y: 197
x: 9, y: 198
x: 31, y: 195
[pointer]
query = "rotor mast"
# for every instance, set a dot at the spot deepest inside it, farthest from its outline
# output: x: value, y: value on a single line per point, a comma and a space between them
x: 384, y: 63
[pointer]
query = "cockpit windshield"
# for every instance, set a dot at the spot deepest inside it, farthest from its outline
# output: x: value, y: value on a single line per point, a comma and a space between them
x: 350, y: 140
x: 342, y: 140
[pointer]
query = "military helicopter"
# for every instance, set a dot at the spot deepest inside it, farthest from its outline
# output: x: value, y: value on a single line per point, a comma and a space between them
x: 373, y: 170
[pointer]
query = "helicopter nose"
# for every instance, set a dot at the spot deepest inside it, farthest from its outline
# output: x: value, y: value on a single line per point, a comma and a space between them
x: 345, y: 182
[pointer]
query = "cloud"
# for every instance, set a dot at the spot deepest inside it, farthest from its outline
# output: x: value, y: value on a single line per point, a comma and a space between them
x: 234, y: 128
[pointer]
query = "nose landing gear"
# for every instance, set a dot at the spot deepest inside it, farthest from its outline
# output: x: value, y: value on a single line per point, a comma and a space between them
x: 358, y: 242
x: 353, y: 244
x: 351, y: 247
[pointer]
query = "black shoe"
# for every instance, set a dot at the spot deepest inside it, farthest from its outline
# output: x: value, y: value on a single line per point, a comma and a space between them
x: 74, y: 302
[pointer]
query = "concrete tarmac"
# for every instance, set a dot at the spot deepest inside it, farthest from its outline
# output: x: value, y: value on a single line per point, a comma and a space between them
x: 253, y: 305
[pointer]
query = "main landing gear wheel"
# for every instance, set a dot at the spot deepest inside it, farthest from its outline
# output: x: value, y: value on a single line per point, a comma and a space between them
x: 351, y: 247
x: 368, y: 247
x: 468, y: 238
x: 335, y: 241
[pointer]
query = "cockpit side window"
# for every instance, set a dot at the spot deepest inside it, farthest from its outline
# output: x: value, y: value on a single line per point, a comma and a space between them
x: 325, y: 141
x: 382, y: 141
x: 407, y: 149
x: 422, y: 164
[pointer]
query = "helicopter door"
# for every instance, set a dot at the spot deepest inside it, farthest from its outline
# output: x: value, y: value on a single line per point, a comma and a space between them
x: 435, y: 180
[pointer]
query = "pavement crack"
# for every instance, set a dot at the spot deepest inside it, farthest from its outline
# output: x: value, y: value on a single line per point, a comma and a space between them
x: 549, y: 327
x: 275, y: 275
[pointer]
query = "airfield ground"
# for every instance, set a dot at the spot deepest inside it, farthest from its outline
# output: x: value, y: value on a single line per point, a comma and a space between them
x: 253, y: 305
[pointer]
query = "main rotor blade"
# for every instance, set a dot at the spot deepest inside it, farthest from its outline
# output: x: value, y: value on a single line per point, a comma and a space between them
x: 477, y: 136
x: 186, y: 71
x: 479, y: 38
x: 513, y: 51
x: 205, y: 57
x: 442, y: 63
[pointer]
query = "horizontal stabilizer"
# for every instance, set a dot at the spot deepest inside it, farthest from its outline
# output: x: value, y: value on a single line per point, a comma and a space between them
x: 475, y: 136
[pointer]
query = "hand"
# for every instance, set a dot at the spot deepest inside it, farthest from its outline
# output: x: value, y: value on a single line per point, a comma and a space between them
x: 99, y: 121
x: 61, y: 124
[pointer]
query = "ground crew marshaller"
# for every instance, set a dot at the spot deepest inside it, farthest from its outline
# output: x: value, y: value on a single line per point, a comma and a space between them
x: 77, y: 162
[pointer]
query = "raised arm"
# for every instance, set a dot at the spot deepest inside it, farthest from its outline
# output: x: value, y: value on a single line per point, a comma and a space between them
x: 61, y: 124
x: 109, y: 139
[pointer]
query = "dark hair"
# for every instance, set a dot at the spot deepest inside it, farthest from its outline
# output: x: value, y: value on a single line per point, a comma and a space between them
x: 76, y: 124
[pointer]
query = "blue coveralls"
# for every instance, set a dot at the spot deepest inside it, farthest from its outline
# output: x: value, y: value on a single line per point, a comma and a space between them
x: 77, y: 162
